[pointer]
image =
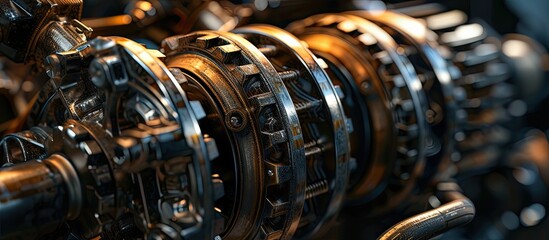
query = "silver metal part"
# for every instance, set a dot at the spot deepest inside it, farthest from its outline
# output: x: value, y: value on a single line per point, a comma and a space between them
x: 340, y: 120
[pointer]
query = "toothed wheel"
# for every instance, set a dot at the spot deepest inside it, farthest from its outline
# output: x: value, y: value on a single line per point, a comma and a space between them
x: 365, y: 57
x: 486, y: 82
x: 278, y: 88
x: 134, y: 104
x: 322, y: 119
x: 248, y: 107
x: 437, y: 75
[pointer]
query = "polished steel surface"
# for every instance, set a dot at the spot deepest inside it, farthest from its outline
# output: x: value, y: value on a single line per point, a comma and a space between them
x: 274, y: 120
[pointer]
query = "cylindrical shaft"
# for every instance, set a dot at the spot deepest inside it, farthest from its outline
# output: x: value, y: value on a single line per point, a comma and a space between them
x: 35, y: 197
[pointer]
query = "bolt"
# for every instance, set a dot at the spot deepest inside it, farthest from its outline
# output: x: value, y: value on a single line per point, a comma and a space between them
x: 290, y: 75
x: 365, y: 87
x: 236, y: 121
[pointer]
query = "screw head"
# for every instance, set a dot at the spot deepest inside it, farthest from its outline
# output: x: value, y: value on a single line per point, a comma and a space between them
x: 365, y: 87
x: 236, y: 120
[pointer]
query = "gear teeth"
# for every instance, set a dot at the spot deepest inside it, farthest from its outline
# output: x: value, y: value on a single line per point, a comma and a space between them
x: 207, y: 41
x: 277, y: 173
x: 267, y: 233
x: 245, y: 72
x: 178, y: 75
x: 262, y: 96
x: 262, y: 100
x: 446, y: 20
x: 479, y: 55
x: 388, y: 58
x: 275, y: 137
x: 277, y: 208
x: 495, y: 70
x: 347, y: 26
x: 155, y: 53
x: 226, y: 53
x: 77, y: 133
x: 199, y: 112
x: 218, y: 188
x: 472, y: 52
x: 384, y: 57
x: 464, y: 35
x: 367, y: 39
x: 398, y: 81
x: 350, y: 126
x: 173, y: 43
x: 322, y: 63
x: 339, y: 92
x: 211, y: 146
x: 422, y: 10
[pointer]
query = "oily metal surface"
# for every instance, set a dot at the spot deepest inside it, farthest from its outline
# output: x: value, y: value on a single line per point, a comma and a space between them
x: 322, y: 119
x: 399, y: 81
x: 269, y: 148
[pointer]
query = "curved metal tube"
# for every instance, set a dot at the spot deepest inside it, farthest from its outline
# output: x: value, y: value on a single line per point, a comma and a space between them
x: 457, y: 212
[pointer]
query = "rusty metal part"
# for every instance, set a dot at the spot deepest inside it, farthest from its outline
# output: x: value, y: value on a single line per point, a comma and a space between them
x: 386, y: 73
x: 265, y: 143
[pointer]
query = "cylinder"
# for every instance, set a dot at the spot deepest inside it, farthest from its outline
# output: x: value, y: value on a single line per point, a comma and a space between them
x: 35, y: 197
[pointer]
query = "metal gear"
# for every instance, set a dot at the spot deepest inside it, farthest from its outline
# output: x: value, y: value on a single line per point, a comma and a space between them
x: 304, y: 90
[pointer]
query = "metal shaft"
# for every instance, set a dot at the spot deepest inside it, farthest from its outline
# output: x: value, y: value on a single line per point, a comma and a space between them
x: 35, y: 195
